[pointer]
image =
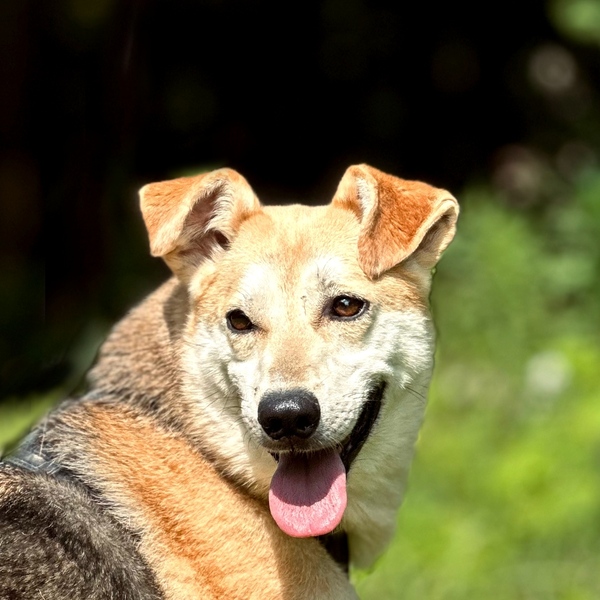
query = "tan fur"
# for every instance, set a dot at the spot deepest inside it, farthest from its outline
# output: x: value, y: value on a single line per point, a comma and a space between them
x: 169, y: 436
x: 282, y: 233
x: 396, y: 214
x: 204, y: 537
x: 175, y: 229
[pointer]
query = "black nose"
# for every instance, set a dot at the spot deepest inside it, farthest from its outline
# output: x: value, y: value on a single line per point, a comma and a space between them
x: 289, y: 413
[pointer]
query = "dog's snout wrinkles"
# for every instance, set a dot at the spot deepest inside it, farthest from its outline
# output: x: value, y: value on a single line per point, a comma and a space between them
x: 290, y: 413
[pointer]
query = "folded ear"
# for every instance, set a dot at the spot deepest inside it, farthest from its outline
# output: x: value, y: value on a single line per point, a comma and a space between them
x: 399, y: 219
x: 190, y: 218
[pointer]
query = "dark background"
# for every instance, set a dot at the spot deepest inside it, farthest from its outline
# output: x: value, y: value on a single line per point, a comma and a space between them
x: 99, y: 97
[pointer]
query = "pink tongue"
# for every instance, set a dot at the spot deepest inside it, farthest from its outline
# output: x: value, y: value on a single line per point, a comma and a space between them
x: 308, y: 493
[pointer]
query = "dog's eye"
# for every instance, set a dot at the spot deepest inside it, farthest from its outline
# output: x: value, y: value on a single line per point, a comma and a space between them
x: 237, y: 320
x: 347, y: 307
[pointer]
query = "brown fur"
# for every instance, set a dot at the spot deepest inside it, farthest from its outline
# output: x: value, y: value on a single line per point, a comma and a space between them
x: 141, y: 442
x: 204, y: 537
x: 396, y: 215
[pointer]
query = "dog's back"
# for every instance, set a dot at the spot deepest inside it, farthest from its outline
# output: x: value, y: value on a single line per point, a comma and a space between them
x: 56, y: 542
x: 189, y: 532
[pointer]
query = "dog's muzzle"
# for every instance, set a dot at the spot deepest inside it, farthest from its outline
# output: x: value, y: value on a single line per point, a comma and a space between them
x: 294, y: 415
x: 308, y: 495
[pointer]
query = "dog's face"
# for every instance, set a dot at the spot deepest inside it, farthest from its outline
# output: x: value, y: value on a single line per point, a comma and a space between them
x: 306, y: 326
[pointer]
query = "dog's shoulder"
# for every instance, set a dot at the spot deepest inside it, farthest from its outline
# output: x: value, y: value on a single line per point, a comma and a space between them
x: 57, y: 543
x: 195, y: 525
x: 138, y: 360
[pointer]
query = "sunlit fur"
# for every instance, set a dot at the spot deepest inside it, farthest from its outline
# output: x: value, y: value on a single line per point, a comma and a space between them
x: 282, y: 269
x: 166, y: 468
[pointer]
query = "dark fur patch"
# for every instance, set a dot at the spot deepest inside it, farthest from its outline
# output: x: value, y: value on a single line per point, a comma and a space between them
x: 58, y: 544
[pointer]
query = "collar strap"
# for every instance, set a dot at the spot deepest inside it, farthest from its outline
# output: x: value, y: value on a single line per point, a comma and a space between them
x: 30, y: 455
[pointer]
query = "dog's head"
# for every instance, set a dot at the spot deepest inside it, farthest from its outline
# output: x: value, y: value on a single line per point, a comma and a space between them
x: 308, y: 345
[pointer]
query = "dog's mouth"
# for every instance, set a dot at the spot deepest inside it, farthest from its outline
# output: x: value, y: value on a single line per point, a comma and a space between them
x: 308, y: 497
x: 363, y: 427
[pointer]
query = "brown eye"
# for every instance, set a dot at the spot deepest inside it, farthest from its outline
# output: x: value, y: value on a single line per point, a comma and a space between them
x: 237, y: 320
x: 347, y: 307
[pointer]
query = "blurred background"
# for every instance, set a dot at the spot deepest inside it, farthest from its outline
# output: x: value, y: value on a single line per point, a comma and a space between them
x: 497, y: 102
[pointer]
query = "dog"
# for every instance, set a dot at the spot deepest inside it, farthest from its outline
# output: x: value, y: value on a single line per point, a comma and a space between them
x: 248, y: 428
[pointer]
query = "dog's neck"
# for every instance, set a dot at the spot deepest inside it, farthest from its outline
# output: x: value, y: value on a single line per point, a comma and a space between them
x: 137, y: 361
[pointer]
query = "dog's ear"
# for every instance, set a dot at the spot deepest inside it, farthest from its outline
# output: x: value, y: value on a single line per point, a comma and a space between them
x: 399, y: 219
x: 191, y: 218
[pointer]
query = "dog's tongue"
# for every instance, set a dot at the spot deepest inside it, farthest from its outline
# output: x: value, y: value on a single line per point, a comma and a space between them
x: 308, y: 493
